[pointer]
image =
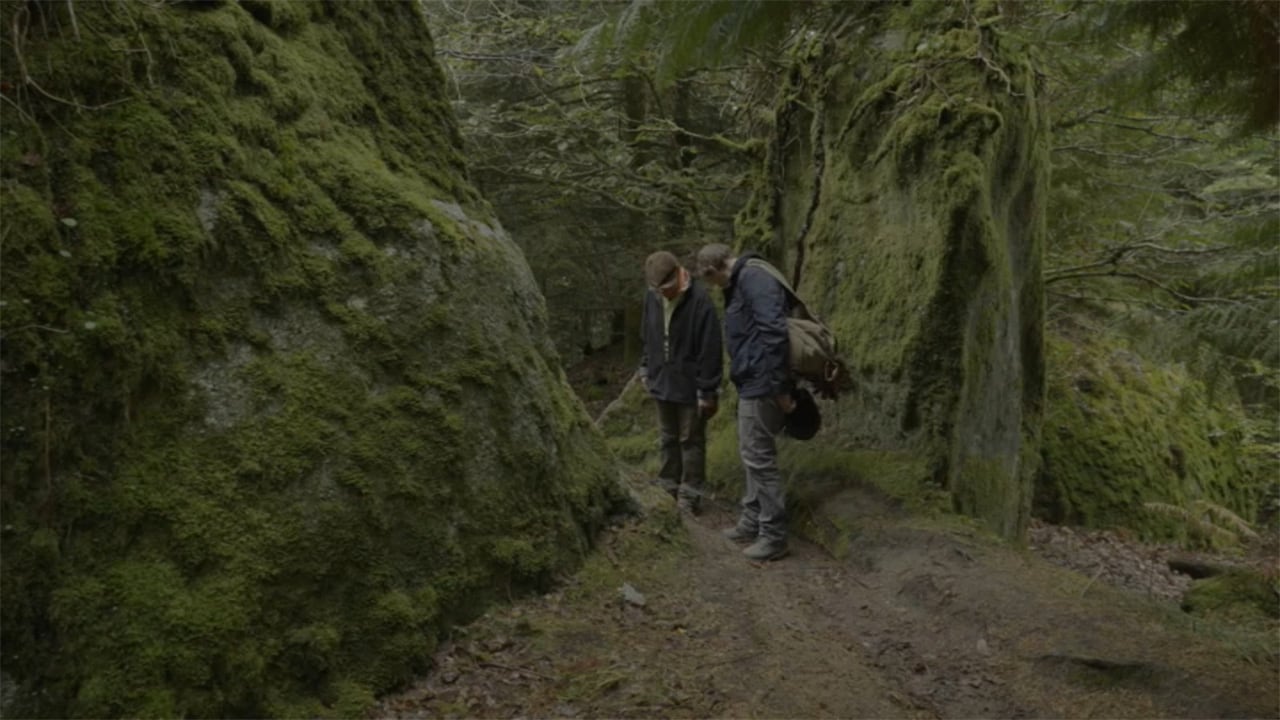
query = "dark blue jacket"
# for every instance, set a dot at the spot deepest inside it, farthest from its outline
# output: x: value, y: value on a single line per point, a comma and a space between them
x: 687, y: 364
x: 755, y: 318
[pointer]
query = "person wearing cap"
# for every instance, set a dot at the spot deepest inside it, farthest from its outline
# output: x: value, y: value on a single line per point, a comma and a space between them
x: 755, y: 314
x: 680, y: 366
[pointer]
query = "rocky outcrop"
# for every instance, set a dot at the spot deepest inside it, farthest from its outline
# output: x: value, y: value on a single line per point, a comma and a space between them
x: 279, y: 403
x: 904, y: 193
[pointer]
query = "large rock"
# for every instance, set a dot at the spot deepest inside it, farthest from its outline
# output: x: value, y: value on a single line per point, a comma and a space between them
x: 905, y: 190
x: 1131, y: 443
x: 279, y: 403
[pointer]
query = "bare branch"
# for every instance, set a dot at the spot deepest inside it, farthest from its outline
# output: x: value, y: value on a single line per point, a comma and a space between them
x: 26, y: 76
x: 1129, y: 275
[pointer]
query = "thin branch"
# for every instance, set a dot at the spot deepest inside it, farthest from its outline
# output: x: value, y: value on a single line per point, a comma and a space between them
x: 1148, y: 131
x: 26, y: 76
x: 1100, y: 153
x: 71, y: 10
x: 40, y: 327
x: 1149, y: 280
x: 665, y: 125
x: 1178, y: 251
x: 528, y: 57
x: 1083, y: 117
x: 1118, y: 254
x: 1112, y: 299
x: 141, y: 38
x: 21, y: 112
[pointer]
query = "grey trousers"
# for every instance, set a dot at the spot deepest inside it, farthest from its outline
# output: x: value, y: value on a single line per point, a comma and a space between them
x: 764, y: 506
x: 682, y: 440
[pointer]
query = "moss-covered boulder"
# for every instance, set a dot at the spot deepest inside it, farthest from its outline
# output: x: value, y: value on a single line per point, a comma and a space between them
x: 1239, y: 594
x: 1122, y: 432
x: 904, y: 191
x: 279, y: 402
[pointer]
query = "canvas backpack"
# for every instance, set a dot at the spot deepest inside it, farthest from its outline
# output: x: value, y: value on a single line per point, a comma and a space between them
x: 814, y: 355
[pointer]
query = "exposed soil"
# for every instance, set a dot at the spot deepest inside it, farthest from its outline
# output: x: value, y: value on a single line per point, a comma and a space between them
x: 920, y: 620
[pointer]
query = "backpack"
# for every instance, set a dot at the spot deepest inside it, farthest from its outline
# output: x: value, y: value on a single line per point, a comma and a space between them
x: 813, y: 353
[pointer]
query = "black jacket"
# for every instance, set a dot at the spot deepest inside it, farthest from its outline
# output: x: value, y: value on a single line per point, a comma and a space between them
x: 755, y: 318
x: 688, y: 367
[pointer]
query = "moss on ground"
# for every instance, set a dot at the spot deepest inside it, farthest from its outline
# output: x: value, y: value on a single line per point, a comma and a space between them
x: 1242, y: 596
x: 279, y: 401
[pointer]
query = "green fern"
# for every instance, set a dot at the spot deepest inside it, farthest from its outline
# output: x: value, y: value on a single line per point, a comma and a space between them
x: 1217, y: 524
x: 1244, y: 331
x: 681, y: 36
x: 1229, y: 52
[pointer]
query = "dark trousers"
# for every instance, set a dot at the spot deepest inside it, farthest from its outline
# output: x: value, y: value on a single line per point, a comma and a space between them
x: 682, y: 440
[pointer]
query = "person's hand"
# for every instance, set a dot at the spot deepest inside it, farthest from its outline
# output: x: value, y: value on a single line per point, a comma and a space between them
x: 785, y: 402
x: 707, y: 407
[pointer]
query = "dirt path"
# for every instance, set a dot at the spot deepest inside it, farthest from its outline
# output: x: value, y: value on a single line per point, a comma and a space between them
x: 917, y: 621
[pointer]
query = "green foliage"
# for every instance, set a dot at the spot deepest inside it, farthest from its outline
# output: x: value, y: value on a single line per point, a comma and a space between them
x: 1165, y: 214
x: 686, y: 36
x: 278, y: 404
x: 1179, y: 236
x: 1239, y: 594
x: 1213, y: 524
x: 593, y: 165
x: 1228, y: 51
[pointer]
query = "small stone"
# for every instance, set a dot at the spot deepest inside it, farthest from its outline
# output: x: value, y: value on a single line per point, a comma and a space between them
x: 632, y: 596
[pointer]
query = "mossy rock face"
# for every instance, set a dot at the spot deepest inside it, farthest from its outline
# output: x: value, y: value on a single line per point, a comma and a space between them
x: 279, y: 403
x: 1121, y: 431
x: 904, y: 188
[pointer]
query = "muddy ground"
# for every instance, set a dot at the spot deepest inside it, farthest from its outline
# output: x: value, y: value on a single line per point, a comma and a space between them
x: 919, y: 619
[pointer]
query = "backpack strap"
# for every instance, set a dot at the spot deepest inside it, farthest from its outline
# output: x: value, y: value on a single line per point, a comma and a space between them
x: 834, y: 374
x: 796, y: 301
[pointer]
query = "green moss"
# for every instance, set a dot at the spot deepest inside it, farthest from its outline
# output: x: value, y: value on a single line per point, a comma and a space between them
x: 938, y: 165
x: 279, y: 404
x: 1242, y: 594
x: 1121, y: 431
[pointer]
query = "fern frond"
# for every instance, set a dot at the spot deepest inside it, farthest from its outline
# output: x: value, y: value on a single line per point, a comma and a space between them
x: 1194, y: 523
x: 1246, y: 331
x: 684, y: 36
x: 1224, y: 517
x: 1228, y: 51
x: 594, y: 42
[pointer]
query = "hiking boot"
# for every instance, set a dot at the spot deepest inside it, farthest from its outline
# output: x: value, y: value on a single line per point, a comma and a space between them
x: 765, y: 549
x: 739, y: 534
x: 687, y: 505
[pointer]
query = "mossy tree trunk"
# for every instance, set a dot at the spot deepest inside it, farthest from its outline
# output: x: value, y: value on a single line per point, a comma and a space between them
x: 279, y: 403
x: 904, y: 191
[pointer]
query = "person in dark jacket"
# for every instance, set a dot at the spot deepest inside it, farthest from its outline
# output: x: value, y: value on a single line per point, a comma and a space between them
x: 755, y: 314
x: 681, y: 368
